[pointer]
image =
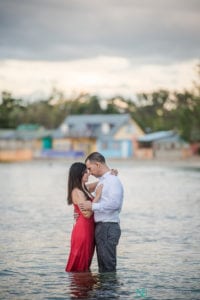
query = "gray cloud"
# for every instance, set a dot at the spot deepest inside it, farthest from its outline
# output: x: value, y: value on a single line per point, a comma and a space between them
x: 153, y: 30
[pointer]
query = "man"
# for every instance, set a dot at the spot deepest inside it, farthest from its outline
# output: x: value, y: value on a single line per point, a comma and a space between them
x: 106, y: 212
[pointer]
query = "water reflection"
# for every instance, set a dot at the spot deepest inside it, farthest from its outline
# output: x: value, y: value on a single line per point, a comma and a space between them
x: 158, y: 253
x: 108, y: 285
x: 81, y: 284
x: 86, y: 285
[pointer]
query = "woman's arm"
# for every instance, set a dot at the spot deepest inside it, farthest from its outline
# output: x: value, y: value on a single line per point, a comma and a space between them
x: 78, y: 197
x: 98, y: 193
x: 91, y: 186
x: 87, y: 205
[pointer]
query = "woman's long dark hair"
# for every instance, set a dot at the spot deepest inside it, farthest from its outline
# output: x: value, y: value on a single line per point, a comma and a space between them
x: 76, y: 173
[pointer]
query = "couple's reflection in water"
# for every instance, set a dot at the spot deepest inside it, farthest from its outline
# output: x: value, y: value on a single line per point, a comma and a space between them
x: 87, y: 285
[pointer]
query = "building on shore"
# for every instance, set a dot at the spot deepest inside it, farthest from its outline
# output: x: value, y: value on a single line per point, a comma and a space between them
x: 24, y: 142
x: 114, y: 135
x: 163, y: 145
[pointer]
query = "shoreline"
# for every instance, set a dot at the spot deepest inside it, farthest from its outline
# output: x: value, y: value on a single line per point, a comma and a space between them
x: 192, y: 162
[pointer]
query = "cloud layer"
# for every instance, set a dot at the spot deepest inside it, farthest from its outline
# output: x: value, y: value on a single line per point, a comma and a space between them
x: 106, y: 47
x: 153, y: 30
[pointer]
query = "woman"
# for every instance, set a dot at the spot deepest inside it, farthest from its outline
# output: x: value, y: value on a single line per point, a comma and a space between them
x: 82, y: 237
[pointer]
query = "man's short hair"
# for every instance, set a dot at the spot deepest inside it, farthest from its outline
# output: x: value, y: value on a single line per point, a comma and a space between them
x: 96, y: 156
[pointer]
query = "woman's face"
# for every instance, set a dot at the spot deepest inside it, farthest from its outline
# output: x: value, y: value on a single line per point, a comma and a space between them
x: 85, y: 176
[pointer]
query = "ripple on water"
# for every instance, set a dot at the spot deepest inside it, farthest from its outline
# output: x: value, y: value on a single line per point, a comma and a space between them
x: 158, y: 254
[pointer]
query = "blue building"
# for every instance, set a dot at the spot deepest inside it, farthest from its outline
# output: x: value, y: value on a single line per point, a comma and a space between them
x: 114, y: 135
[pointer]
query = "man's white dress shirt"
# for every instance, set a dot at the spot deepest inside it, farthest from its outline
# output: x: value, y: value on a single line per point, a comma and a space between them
x: 108, y: 207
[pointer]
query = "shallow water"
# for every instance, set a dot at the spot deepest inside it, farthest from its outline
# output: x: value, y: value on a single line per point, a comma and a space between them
x: 159, y: 250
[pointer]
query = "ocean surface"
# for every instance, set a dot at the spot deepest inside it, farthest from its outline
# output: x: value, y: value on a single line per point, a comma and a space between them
x: 159, y: 249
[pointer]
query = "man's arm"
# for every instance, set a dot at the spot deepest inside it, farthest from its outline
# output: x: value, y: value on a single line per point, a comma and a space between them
x: 87, y: 205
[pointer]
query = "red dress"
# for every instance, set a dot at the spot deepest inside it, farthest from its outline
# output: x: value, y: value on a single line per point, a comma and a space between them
x: 82, y: 244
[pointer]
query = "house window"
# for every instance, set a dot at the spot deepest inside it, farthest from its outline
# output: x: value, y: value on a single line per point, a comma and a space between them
x: 157, y: 147
x: 173, y: 146
x: 64, y: 128
x: 115, y: 145
x: 105, y: 145
x: 105, y: 127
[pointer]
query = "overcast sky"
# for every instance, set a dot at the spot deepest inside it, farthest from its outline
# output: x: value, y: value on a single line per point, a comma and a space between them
x: 106, y: 47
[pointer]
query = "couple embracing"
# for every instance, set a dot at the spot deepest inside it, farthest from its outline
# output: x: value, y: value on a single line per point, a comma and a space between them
x: 97, y: 207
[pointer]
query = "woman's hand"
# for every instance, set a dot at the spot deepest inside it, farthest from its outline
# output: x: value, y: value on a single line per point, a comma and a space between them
x: 76, y: 215
x: 114, y: 172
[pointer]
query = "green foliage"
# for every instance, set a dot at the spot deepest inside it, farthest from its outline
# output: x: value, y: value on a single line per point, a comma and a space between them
x: 160, y: 110
x: 11, y: 111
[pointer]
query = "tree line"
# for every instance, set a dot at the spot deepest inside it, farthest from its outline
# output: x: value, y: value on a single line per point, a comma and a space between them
x: 159, y: 110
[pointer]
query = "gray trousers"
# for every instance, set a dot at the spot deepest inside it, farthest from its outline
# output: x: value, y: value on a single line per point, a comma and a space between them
x: 107, y: 237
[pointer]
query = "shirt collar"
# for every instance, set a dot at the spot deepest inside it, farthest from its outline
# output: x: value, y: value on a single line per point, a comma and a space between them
x: 105, y: 175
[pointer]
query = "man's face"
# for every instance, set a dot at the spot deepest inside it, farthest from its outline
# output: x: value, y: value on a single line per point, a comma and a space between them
x: 93, y: 168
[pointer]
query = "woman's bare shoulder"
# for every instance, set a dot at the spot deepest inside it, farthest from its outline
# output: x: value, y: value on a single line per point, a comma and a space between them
x: 77, y: 196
